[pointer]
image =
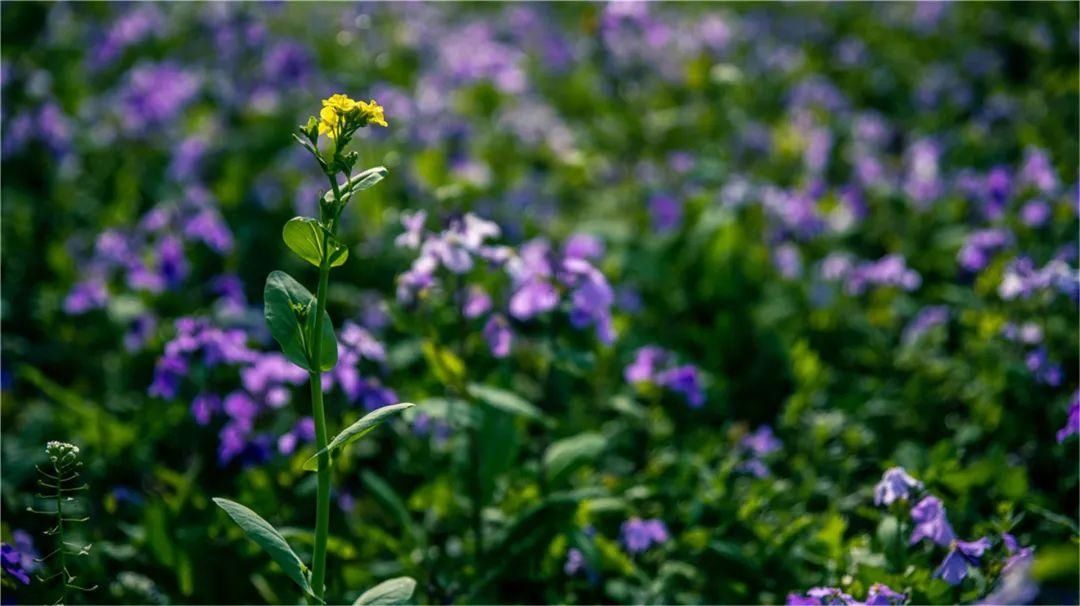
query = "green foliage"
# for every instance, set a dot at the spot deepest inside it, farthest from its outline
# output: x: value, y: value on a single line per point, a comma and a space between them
x: 392, y: 592
x: 305, y: 235
x: 357, y: 430
x: 290, y: 314
x: 266, y: 536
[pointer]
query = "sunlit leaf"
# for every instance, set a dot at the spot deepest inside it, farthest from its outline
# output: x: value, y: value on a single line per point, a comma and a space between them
x: 388, y: 593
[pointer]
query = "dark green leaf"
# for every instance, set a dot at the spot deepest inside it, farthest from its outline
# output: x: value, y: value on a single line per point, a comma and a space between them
x: 260, y: 531
x: 358, y: 430
x: 388, y: 593
x: 304, y: 236
x: 285, y: 298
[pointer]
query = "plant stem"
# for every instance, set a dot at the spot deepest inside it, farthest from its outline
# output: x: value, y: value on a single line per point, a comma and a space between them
x: 322, y: 504
x: 60, y: 536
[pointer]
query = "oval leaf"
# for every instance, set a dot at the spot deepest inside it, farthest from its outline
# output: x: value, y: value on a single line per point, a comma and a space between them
x: 283, y: 298
x: 388, y: 593
x: 357, y: 430
x: 507, y: 401
x: 260, y: 531
x: 304, y: 236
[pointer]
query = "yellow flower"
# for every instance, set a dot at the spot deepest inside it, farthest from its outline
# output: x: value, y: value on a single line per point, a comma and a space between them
x: 341, y: 103
x: 328, y: 122
x: 373, y: 112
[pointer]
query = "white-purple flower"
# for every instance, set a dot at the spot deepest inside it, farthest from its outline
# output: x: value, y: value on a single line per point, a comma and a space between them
x: 895, y: 485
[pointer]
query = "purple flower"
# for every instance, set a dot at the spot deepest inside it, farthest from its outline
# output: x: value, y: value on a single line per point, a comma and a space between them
x: 930, y: 522
x: 204, y: 406
x: 1042, y: 368
x: 153, y: 95
x: 890, y: 270
x: 922, y: 181
x: 532, y: 298
x: 357, y: 339
x: 788, y: 260
x: 684, y: 380
x: 208, y: 227
x: 895, y: 485
x: 140, y: 330
x: 645, y: 366
x: 761, y: 442
x: 591, y: 298
x: 1018, y: 556
x: 575, y: 561
x: 639, y: 535
x: 85, y: 296
x: 414, y: 229
x: 583, y: 246
x: 498, y: 335
x: 1072, y: 425
x: 287, y: 64
x: 18, y: 559
x: 1038, y: 172
x: 477, y: 302
x: 954, y: 567
x: 1035, y: 213
x: 927, y: 318
x: 880, y: 594
x: 666, y: 212
x: 975, y: 254
x: 304, y: 431
x: 819, y: 596
x: 240, y: 407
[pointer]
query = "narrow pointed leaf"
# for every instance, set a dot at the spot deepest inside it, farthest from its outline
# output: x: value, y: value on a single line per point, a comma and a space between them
x: 260, y: 531
x: 367, y: 179
x: 566, y: 455
x: 304, y: 236
x: 282, y: 297
x: 358, y: 430
x: 388, y: 593
x: 507, y: 401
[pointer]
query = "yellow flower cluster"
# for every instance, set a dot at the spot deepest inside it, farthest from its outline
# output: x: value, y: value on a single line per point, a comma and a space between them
x: 340, y: 107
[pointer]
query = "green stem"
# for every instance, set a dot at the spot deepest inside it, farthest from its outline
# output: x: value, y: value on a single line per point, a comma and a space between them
x: 60, y: 536
x: 322, y: 504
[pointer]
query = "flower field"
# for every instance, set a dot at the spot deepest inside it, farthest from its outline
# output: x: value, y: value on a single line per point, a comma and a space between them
x: 569, y: 303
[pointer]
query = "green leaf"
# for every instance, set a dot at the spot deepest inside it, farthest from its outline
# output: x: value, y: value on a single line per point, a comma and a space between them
x: 388, y: 593
x: 283, y: 299
x: 358, y: 430
x: 508, y: 401
x: 304, y: 236
x: 568, y: 454
x: 367, y: 179
x: 260, y: 531
x: 358, y: 183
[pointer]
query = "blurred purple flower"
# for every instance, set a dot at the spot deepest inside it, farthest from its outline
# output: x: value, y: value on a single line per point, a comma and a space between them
x: 1072, y: 425
x: 498, y: 335
x: 477, y: 302
x: 85, y: 296
x: 761, y: 442
x: 895, y: 485
x: 153, y: 95
x: 1035, y: 213
x: 639, y: 535
x: 930, y: 522
x: 666, y: 212
x: 684, y: 380
x: 583, y: 246
x: 646, y: 364
x: 204, y: 406
x: 927, y: 318
x: 954, y: 568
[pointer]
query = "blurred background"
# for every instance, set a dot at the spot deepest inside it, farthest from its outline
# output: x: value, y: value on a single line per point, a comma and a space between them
x: 854, y: 226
